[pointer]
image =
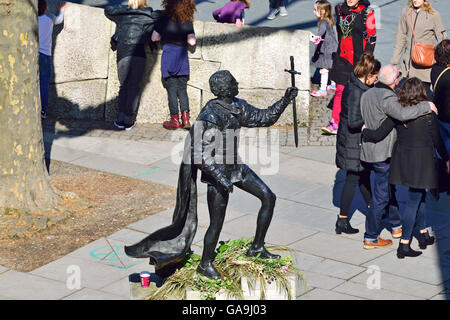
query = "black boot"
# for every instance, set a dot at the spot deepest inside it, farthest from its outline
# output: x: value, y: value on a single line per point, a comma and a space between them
x: 343, y: 225
x: 262, y: 252
x: 404, y: 250
x: 425, y: 240
x: 208, y: 270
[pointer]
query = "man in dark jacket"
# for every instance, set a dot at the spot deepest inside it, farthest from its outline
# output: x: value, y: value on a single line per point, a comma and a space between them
x: 211, y: 148
x: 377, y: 104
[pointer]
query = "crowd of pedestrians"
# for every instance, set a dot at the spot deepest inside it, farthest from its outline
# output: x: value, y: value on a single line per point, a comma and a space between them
x: 385, y: 122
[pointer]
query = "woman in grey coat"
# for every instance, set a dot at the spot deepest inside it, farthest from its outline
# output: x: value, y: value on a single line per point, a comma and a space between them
x: 428, y: 29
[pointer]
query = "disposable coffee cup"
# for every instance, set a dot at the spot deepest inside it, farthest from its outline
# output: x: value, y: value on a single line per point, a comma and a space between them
x: 145, y: 279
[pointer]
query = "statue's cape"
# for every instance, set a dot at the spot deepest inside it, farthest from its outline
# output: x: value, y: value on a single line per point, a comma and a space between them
x: 170, y: 244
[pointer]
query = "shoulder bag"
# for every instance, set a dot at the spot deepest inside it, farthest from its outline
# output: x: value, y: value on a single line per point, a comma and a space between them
x: 422, y: 54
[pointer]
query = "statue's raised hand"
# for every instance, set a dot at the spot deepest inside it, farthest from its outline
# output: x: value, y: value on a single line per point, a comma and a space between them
x: 290, y: 93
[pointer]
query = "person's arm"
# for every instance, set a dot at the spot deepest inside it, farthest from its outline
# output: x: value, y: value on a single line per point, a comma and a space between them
x: 191, y: 39
x: 439, y: 29
x: 437, y: 139
x: 60, y: 17
x: 394, y: 109
x: 371, y: 32
x: 402, y: 31
x: 254, y: 117
x: 376, y: 135
x: 353, y: 100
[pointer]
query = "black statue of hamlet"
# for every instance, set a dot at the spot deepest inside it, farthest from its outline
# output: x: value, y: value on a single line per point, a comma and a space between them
x: 211, y: 148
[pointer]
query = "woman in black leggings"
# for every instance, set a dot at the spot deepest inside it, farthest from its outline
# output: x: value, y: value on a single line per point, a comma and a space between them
x: 348, y: 141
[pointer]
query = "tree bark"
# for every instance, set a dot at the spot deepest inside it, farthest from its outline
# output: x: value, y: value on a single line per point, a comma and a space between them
x: 24, y: 181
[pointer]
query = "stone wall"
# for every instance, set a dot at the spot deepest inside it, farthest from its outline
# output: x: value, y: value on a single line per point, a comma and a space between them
x: 85, y: 84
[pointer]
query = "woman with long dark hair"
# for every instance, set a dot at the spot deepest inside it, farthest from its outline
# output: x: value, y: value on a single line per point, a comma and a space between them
x: 175, y: 30
x: 414, y: 165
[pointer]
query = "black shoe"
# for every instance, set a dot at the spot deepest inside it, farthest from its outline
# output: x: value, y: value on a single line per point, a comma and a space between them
x: 128, y: 127
x: 119, y: 125
x: 262, y: 252
x: 425, y: 240
x: 404, y: 250
x: 209, y: 271
x: 343, y: 225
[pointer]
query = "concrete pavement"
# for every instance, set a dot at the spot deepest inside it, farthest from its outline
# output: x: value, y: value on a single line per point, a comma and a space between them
x: 307, y: 185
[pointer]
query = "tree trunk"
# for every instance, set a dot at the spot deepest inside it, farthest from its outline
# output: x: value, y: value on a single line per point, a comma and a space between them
x: 24, y: 182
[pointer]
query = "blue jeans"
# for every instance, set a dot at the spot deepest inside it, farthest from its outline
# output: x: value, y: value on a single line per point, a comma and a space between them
x: 383, y: 211
x: 275, y: 4
x: 414, y: 212
x: 45, y: 72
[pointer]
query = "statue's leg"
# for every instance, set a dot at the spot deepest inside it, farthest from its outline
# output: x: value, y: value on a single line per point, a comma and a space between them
x: 255, y: 186
x: 217, y: 205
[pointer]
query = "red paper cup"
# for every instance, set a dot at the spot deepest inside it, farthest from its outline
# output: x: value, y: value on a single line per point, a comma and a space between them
x: 145, y: 279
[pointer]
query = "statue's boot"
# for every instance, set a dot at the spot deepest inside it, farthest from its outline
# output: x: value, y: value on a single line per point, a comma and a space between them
x: 262, y: 252
x: 208, y: 270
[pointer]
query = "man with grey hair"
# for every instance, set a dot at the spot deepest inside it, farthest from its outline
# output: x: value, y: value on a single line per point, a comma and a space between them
x: 377, y: 104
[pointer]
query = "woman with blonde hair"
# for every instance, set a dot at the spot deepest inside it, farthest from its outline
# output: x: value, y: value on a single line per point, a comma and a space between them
x: 419, y: 24
x: 175, y: 30
x: 134, y: 24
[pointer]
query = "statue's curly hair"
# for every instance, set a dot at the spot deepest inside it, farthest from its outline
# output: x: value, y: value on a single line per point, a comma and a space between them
x: 219, y: 83
x: 179, y: 10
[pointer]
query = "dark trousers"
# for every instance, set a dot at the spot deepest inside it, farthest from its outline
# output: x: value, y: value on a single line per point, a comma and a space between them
x: 276, y: 3
x: 176, y: 87
x: 217, y: 204
x: 414, y: 212
x: 130, y: 71
x: 45, y: 72
x: 353, y: 179
x: 383, y: 211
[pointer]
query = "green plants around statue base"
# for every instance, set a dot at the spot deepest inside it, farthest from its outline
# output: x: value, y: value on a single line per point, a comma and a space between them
x: 244, y: 277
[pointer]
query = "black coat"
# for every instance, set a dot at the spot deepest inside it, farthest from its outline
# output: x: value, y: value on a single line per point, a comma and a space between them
x: 348, y: 140
x: 134, y: 26
x: 413, y: 162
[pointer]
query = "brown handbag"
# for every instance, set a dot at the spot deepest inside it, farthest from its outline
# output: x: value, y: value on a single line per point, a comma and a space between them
x: 422, y: 54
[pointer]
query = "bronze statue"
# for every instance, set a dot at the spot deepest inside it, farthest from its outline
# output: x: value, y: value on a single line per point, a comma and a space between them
x: 208, y: 149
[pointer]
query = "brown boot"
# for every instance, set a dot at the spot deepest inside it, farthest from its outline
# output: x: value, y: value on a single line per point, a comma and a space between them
x: 173, y: 123
x: 185, y: 119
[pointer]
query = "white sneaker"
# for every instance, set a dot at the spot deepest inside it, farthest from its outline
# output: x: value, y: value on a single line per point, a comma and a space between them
x: 273, y: 13
x: 283, y: 11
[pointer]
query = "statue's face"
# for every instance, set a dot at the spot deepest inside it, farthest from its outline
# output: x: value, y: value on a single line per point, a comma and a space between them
x: 234, y: 87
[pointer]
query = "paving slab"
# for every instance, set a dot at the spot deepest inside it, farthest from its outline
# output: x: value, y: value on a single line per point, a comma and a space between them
x: 90, y: 294
x: 26, y: 286
x: 317, y: 280
x: 371, y: 294
x: 394, y: 283
x: 420, y: 268
x: 339, y: 248
x: 322, y: 294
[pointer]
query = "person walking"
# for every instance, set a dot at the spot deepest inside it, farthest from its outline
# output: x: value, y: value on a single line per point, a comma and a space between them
x: 175, y: 30
x: 232, y: 12
x: 356, y: 32
x: 134, y: 24
x: 349, y: 136
x: 277, y: 7
x: 326, y: 42
x: 46, y: 23
x: 419, y: 24
x: 414, y: 163
x: 378, y: 104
